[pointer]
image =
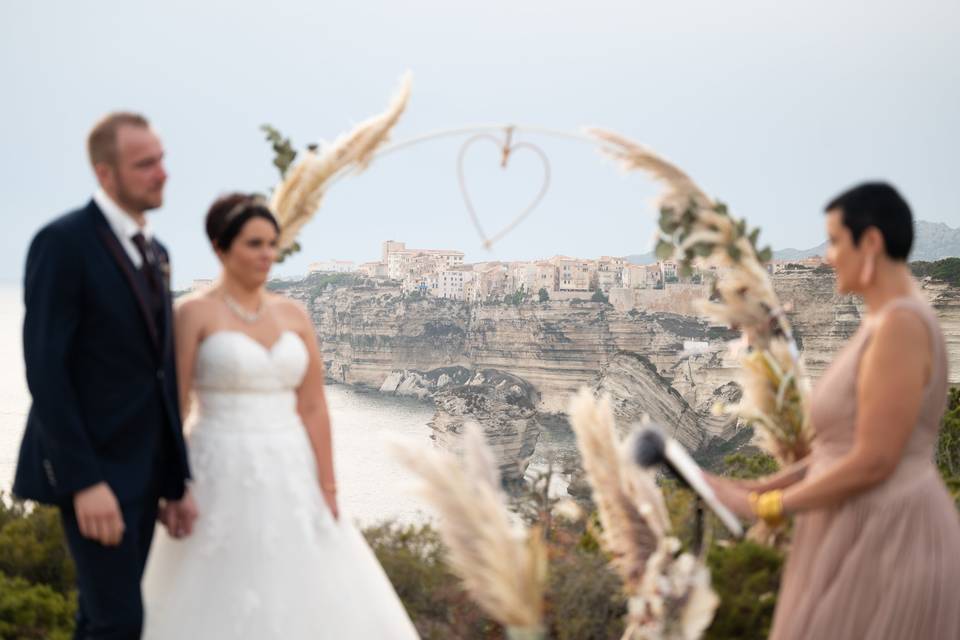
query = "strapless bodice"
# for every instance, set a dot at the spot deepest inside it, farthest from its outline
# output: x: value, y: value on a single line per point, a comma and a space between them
x: 243, y: 385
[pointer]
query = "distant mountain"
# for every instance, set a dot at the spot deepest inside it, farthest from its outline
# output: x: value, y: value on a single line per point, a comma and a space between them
x: 933, y: 241
x: 800, y: 254
x: 641, y: 258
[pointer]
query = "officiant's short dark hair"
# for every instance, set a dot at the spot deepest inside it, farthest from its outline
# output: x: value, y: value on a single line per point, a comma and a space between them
x: 102, y: 140
x: 229, y: 213
x: 877, y: 204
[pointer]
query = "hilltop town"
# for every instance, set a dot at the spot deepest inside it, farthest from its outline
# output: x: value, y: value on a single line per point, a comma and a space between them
x: 442, y: 273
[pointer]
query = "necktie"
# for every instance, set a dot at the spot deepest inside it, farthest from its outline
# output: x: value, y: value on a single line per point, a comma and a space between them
x: 148, y: 267
x: 151, y: 273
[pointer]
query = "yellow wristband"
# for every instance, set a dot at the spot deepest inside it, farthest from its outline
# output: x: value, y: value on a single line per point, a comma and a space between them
x: 769, y: 507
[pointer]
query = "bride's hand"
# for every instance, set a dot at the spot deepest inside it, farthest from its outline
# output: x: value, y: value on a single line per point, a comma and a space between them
x: 330, y: 497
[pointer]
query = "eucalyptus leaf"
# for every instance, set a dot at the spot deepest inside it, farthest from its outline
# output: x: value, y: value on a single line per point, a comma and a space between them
x: 668, y: 222
x: 703, y: 249
x: 664, y: 249
x: 284, y: 153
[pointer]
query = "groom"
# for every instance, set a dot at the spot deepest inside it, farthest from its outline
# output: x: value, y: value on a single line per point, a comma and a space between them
x: 103, y: 440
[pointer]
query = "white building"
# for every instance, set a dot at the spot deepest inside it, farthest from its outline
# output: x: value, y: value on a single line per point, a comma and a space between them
x: 668, y: 270
x: 451, y: 283
x: 609, y: 273
x: 200, y: 284
x: 533, y: 276
x: 332, y: 266
x: 373, y: 269
x: 642, y: 276
x: 573, y: 274
x: 403, y: 263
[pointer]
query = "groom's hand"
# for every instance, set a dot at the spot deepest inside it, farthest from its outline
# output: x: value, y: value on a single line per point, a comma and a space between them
x: 98, y: 514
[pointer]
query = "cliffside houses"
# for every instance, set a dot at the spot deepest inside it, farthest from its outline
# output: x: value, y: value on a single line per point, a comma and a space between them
x: 776, y: 266
x: 332, y: 266
x: 442, y: 273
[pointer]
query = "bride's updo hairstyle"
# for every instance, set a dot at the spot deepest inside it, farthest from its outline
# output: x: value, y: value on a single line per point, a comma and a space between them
x: 229, y: 213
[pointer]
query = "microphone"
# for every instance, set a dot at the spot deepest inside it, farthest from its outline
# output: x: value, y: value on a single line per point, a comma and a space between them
x: 650, y: 446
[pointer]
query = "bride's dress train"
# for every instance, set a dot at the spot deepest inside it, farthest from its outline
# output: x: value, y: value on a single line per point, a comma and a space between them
x: 266, y: 558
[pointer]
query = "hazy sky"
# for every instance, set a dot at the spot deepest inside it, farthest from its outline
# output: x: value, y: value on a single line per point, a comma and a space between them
x: 771, y: 106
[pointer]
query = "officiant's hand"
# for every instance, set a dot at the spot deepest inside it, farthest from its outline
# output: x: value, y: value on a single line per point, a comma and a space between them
x: 98, y: 514
x: 732, y: 495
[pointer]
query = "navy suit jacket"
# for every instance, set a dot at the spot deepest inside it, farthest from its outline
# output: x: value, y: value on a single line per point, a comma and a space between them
x: 100, y: 368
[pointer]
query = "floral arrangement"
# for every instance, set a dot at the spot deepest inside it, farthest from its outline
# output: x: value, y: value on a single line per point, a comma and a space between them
x: 669, y: 594
x: 502, y: 564
x: 696, y: 230
x: 297, y: 198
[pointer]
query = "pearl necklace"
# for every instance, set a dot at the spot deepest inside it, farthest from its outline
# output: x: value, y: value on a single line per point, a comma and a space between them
x: 247, y: 316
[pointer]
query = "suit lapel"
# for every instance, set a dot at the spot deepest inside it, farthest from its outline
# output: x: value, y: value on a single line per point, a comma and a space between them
x: 115, y: 249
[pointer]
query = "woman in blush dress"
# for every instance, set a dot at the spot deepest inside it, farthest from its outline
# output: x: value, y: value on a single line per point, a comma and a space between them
x: 876, y: 543
x: 269, y: 555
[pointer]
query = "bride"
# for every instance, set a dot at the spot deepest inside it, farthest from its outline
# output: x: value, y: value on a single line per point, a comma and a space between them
x: 269, y: 556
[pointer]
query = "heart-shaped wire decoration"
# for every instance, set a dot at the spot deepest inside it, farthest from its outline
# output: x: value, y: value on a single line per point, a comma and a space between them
x: 507, y: 148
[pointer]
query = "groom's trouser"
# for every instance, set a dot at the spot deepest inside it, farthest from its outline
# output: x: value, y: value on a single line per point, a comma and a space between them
x: 108, y: 578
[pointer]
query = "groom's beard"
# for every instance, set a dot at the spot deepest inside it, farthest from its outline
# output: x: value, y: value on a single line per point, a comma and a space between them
x: 146, y: 200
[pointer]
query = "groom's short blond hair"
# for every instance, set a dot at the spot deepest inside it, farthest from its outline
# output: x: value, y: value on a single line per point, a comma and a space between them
x: 102, y: 140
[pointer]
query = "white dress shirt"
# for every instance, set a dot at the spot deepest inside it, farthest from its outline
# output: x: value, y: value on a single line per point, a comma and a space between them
x: 123, y: 225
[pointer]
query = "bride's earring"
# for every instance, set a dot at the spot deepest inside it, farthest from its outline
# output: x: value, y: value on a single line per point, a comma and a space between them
x: 866, y: 273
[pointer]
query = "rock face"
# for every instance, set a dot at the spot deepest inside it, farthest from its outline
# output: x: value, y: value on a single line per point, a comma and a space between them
x: 668, y: 365
x: 559, y: 346
x: 505, y: 408
x: 504, y: 405
x: 555, y: 346
x: 638, y: 391
x: 946, y: 301
x: 424, y: 384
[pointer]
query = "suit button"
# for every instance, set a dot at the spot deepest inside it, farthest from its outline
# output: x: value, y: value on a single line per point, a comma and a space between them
x: 160, y: 375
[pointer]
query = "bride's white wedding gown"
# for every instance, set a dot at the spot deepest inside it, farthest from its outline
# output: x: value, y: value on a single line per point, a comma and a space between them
x: 266, y: 558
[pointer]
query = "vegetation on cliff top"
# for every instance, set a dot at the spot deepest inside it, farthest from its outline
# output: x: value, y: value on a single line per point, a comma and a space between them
x: 946, y: 270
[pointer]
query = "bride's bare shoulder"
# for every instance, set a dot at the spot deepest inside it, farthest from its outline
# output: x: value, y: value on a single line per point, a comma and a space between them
x: 291, y: 310
x: 195, y: 304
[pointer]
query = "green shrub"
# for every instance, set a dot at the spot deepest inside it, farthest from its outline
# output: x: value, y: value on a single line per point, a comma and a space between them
x: 412, y: 556
x: 747, y: 466
x: 32, y: 546
x: 948, y: 445
x: 746, y: 576
x: 34, y: 611
x: 947, y: 270
x: 584, y: 597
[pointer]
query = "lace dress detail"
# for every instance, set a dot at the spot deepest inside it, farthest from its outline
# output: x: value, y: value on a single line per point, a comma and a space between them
x: 266, y: 558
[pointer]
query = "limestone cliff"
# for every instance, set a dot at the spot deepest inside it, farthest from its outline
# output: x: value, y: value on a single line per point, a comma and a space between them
x: 375, y: 337
x: 505, y: 408
x: 367, y: 334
